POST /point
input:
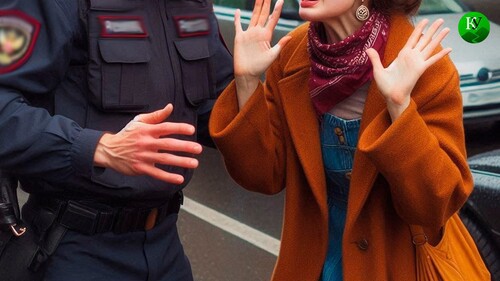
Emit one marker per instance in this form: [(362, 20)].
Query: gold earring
[(362, 12)]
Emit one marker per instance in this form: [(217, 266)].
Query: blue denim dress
[(339, 138)]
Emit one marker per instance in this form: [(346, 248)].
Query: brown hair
[(409, 7)]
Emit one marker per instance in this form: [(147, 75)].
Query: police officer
[(99, 101)]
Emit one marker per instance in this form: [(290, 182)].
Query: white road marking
[(232, 226)]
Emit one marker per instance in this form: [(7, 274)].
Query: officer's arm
[(223, 67), (34, 143)]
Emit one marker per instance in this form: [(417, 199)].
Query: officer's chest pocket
[(119, 55), (118, 77), (197, 69)]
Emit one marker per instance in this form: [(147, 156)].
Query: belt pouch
[(16, 252)]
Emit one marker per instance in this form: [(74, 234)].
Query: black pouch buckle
[(79, 217)]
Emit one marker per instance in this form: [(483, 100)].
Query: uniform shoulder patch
[(18, 34)]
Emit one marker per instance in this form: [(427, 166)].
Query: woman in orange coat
[(360, 121)]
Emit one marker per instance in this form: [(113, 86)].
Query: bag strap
[(418, 235), (9, 205), (8, 195)]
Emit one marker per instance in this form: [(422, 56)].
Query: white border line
[(232, 226)]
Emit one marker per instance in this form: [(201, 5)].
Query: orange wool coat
[(412, 171)]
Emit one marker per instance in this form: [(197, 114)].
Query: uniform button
[(363, 244), (348, 175)]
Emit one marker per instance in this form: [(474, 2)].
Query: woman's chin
[(306, 15)]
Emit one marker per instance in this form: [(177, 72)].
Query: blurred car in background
[(481, 213), (488, 7), (477, 64)]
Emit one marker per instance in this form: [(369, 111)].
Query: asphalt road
[(216, 254)]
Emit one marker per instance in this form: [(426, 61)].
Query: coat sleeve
[(33, 142), (422, 154), (251, 140)]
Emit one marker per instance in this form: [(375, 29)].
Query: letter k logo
[(474, 27), (473, 22)]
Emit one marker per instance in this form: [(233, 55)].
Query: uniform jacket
[(89, 68), (412, 171)]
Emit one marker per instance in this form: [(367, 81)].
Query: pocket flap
[(193, 49), (125, 50)]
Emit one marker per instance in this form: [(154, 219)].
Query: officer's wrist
[(100, 155)]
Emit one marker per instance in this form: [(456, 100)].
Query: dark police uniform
[(71, 70)]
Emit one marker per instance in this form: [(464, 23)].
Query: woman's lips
[(308, 3)]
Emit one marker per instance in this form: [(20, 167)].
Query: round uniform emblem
[(18, 33)]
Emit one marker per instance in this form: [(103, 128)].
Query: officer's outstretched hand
[(144, 142)]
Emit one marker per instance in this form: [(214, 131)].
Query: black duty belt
[(89, 219)]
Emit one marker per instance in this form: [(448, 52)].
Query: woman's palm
[(253, 52), (397, 80)]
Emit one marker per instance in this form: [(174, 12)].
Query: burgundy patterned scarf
[(339, 69)]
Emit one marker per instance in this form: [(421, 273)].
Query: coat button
[(363, 245)]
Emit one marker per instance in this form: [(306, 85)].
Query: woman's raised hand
[(396, 82), (253, 52)]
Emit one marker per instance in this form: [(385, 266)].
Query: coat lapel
[(364, 171), (302, 120)]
